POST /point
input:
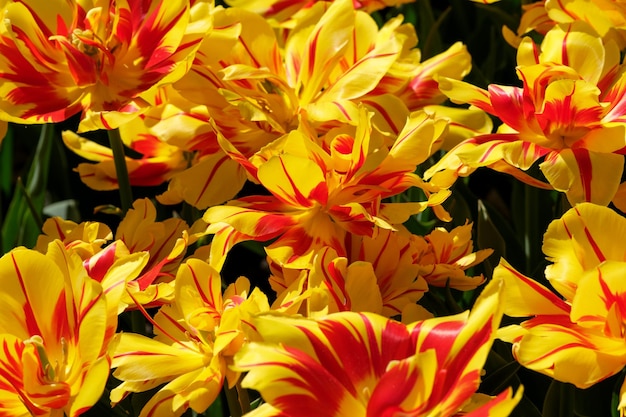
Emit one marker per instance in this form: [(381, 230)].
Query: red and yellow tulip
[(283, 10), (378, 276), (606, 17), (319, 195), (56, 328), (576, 336), (159, 161), (361, 364), (319, 73), (163, 243), (86, 239), (447, 255), (100, 57), (569, 116), (196, 337)]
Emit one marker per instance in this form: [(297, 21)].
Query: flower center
[(83, 40), (53, 372)]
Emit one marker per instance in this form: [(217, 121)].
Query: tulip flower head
[(361, 364), (568, 116), (196, 337), (96, 56), (578, 335), (320, 192), (55, 331)]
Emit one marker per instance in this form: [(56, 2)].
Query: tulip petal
[(584, 175), (526, 297), (578, 242), (139, 358)]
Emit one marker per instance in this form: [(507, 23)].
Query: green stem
[(428, 49), (29, 202), (117, 146), (23, 219), (234, 401), (532, 233), (244, 399), (138, 322)]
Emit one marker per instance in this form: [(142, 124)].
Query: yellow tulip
[(196, 337), (56, 328), (447, 255), (319, 195), (577, 336), (568, 116), (101, 57), (361, 364)]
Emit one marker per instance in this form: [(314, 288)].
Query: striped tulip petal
[(576, 45), (76, 56), (323, 46), (158, 163), (584, 175), (501, 406), (462, 92), (461, 344), (324, 369), (351, 364), (526, 297), (568, 352), (579, 339), (365, 74), (200, 185), (600, 299), (579, 241), (57, 330), (139, 358), (199, 292), (295, 181), (453, 63)]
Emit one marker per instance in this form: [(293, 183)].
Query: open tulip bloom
[(360, 364), (577, 335)]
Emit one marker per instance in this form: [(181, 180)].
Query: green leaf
[(488, 236), (501, 373), (451, 303), (216, 409), (21, 225), (6, 163), (595, 401), (66, 209), (532, 211), (500, 379), (559, 401)]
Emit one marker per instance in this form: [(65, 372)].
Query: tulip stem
[(237, 399), (119, 158), (29, 202), (533, 231), (244, 399)]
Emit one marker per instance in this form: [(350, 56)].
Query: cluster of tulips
[(317, 133)]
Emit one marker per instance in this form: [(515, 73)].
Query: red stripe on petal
[(541, 290), (590, 239), (342, 110), (312, 49), (586, 171), (29, 314), (385, 115)]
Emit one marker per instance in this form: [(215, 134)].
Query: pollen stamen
[(46, 366)]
